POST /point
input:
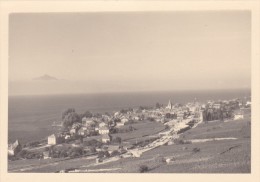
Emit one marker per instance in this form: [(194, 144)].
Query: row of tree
[(211, 114), (69, 117)]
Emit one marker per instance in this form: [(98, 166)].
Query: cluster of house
[(103, 125), (237, 103), (179, 112), (91, 126)]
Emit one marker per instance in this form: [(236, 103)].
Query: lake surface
[(30, 117)]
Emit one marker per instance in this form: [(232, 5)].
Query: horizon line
[(134, 92)]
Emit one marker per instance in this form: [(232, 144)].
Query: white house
[(216, 106), (14, 148), (102, 124), (46, 155), (238, 116), (119, 124), (248, 103), (103, 130), (67, 136), (136, 153), (106, 138), (124, 120), (76, 125), (137, 118), (54, 139), (73, 131), (82, 131), (170, 160)]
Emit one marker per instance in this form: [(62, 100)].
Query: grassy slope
[(143, 128), (214, 157)]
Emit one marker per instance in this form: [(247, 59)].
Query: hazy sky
[(96, 52)]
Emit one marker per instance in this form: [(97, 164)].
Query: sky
[(129, 51)]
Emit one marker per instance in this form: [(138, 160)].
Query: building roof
[(104, 128), (14, 145), (54, 136), (46, 153), (113, 147)]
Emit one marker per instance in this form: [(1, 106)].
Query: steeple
[(169, 106)]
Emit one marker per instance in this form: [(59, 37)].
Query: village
[(106, 137)]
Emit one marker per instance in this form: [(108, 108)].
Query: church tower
[(169, 106)]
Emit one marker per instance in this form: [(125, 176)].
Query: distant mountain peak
[(45, 77)]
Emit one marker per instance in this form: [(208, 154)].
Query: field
[(47, 165), (144, 129)]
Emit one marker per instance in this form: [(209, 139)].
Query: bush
[(183, 130), (93, 149), (150, 119), (143, 168), (63, 153), (195, 150), (33, 144), (93, 143), (160, 159), (181, 142), (125, 130), (72, 152), (117, 140), (115, 153), (24, 154), (103, 154), (106, 153), (74, 155), (114, 130)]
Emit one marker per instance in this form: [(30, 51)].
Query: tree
[(97, 115), (115, 153), (66, 112), (101, 154), (123, 111), (157, 105), (63, 153), (70, 118), (81, 139), (92, 149), (106, 153), (117, 120), (117, 140), (87, 114), (143, 168)]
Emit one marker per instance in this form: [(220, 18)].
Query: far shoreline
[(249, 90)]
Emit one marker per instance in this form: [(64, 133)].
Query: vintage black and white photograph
[(129, 92)]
